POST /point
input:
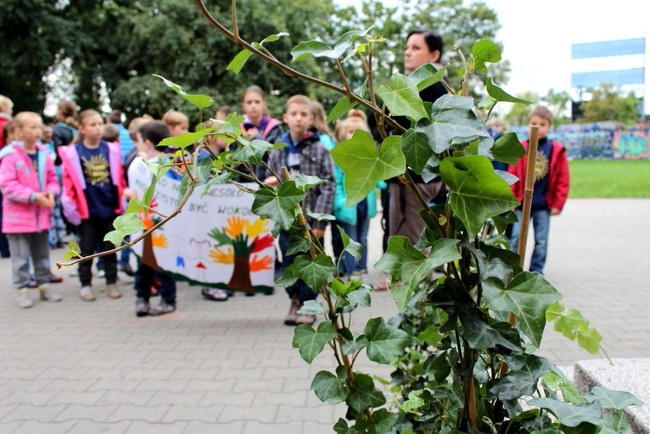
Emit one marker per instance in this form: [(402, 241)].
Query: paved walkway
[(79, 367)]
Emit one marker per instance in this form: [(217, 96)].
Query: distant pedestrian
[(29, 185), (551, 188), (6, 109), (93, 183), (124, 138)]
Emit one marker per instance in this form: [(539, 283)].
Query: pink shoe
[(383, 285)]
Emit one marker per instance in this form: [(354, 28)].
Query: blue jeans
[(298, 290), (541, 222), (358, 233)]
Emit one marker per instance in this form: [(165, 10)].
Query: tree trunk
[(241, 275)]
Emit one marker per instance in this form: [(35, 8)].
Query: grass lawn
[(610, 178)]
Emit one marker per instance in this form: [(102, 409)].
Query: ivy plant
[(471, 319)]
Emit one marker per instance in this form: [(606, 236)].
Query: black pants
[(144, 277), (91, 234)]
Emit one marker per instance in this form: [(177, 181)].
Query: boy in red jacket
[(551, 186)]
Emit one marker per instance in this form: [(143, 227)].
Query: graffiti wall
[(601, 143)]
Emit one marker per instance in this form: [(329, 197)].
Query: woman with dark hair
[(422, 47)]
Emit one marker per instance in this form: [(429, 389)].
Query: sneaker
[(292, 316), (383, 285), (55, 279), (24, 301), (162, 308), (113, 291), (101, 273), (142, 307), (214, 294), (86, 294), (47, 295), (126, 269), (305, 318)]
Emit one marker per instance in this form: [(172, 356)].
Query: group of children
[(94, 192)]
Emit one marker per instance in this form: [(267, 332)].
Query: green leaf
[(385, 421), (616, 423), (413, 402), (364, 165), (427, 75), (359, 297), (185, 140), (340, 109), (568, 414), (573, 325), (314, 272), (73, 250), (274, 38), (508, 149), (364, 394), (415, 146), (313, 307), (329, 388), (485, 51), (523, 381), (402, 98), (200, 101), (278, 205), (349, 245), (306, 182), (477, 193), (408, 264), (615, 399), (310, 342), (124, 225), (307, 49), (385, 342), (453, 121), (481, 335), (500, 95), (251, 152), (528, 296), (556, 379), (238, 62)]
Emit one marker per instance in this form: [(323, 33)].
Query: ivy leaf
[(349, 245), (556, 379), (413, 402), (402, 98), (528, 296), (615, 399), (252, 152), (508, 149), (485, 51), (314, 272), (523, 381), (185, 140), (310, 342), (573, 325), (341, 109), (200, 101), (477, 193), (313, 307), (427, 75), (329, 388), (124, 225), (453, 121), (408, 264), (73, 250), (481, 335), (385, 342), (500, 95), (616, 423), (278, 205), (238, 62), (306, 182), (365, 394), (385, 421), (415, 146), (568, 414), (359, 297), (364, 165)]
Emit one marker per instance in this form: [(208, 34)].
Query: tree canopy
[(120, 44)]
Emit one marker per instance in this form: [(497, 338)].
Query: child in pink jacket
[(29, 186)]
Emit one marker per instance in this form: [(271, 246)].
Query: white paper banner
[(215, 241)]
